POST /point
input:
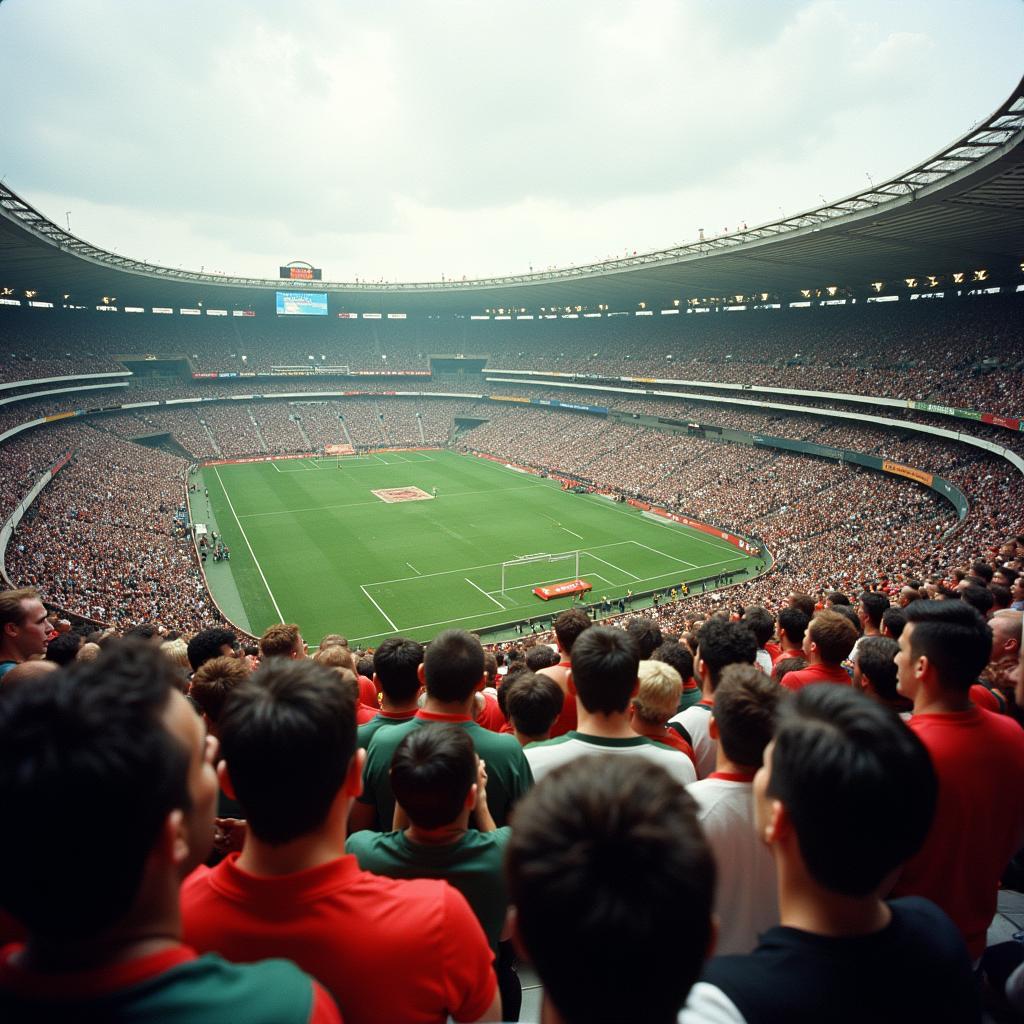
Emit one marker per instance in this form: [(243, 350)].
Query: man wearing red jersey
[(829, 639), (108, 793), (568, 626), (978, 757), (388, 950)]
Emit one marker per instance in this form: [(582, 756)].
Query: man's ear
[(779, 826), (713, 729), (224, 778), (172, 840), (421, 674), (512, 926), (353, 784), (471, 797)]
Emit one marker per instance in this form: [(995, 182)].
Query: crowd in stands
[(342, 836)]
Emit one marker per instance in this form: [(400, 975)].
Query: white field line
[(259, 568), (613, 565), (414, 569), (484, 592), (378, 607), (663, 555)]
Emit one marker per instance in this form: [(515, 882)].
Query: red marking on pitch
[(393, 494)]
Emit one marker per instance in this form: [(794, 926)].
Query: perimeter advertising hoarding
[(302, 303)]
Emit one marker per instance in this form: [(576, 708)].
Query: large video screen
[(302, 303)]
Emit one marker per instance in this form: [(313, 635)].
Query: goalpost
[(542, 558)]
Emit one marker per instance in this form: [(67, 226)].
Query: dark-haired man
[(111, 753), (875, 673), (792, 627), (611, 881), (719, 643), (395, 673), (288, 738), (846, 796), (742, 723), (603, 678), (211, 643), (452, 670), (532, 703), (568, 625), (979, 759)]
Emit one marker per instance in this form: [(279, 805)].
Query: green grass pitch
[(311, 543)]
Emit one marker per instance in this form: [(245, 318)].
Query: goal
[(522, 571)]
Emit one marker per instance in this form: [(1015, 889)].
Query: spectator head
[(283, 640), (871, 606), (23, 625), (453, 666), (491, 668), (1000, 596), (982, 570), (433, 775), (176, 651), (793, 623), (1006, 632), (395, 669), (288, 738), (893, 622), (875, 669), (145, 632), (802, 602), (568, 625), (211, 643), (337, 657), (596, 847), (541, 656), (604, 670), (977, 597), (28, 671), (746, 707), (333, 640), (89, 651), (109, 752), (678, 656), (721, 643), (532, 703), (846, 788), (830, 638), (943, 649), (835, 598), (761, 623), (64, 648), (657, 698), (213, 681), (784, 665), (646, 634)]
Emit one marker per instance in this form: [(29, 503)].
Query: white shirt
[(746, 895), (696, 720), (549, 754)]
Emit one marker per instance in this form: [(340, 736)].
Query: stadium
[(823, 405)]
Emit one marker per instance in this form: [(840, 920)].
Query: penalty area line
[(378, 607)]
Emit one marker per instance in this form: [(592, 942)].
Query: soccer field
[(311, 542)]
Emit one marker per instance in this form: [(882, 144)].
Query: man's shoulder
[(388, 737)]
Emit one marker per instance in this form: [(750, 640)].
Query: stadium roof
[(960, 211)]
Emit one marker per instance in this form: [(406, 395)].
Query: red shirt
[(566, 720), (672, 739), (979, 819), (387, 950), (368, 693), (815, 674), (985, 698), (364, 714), (490, 716)]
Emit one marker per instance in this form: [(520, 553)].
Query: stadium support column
[(344, 429), (419, 424)]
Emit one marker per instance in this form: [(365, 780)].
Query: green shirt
[(473, 865), (508, 771), (365, 732)]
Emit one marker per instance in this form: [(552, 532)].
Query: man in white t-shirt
[(719, 643), (603, 678), (743, 721)]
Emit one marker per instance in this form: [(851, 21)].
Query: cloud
[(411, 138)]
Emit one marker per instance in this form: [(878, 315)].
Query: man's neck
[(807, 906), (522, 739), (446, 835), (608, 727), (324, 845), (9, 653), (941, 702), (724, 766), (458, 709), (408, 708)]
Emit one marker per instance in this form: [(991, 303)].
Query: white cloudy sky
[(409, 139)]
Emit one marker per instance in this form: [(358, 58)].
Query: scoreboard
[(301, 273)]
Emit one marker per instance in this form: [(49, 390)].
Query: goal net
[(535, 570)]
